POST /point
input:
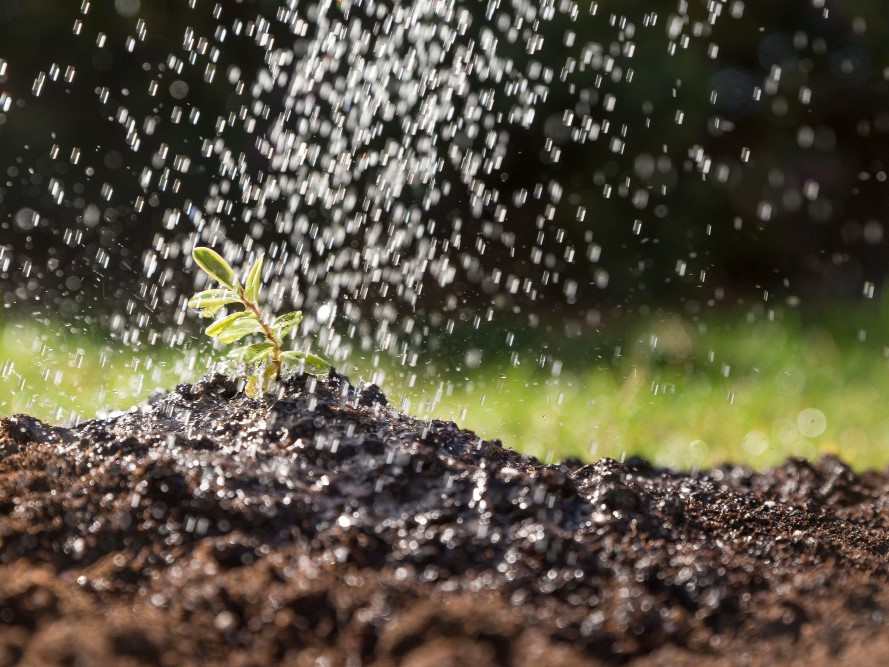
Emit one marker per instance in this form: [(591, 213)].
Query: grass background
[(738, 388)]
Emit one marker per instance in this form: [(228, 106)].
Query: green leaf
[(253, 277), (214, 266), (269, 375), (229, 320), (253, 386), (210, 311), (311, 362), (209, 296), (286, 322), (210, 301), (243, 327), (252, 353)]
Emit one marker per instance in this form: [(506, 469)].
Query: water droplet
[(26, 219), (812, 422)]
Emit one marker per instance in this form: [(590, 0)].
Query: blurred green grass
[(738, 389), (63, 374)]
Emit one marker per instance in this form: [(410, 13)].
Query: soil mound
[(321, 526)]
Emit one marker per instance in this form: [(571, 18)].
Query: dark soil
[(324, 527)]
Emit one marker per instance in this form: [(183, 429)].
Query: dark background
[(804, 217)]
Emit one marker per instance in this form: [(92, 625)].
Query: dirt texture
[(321, 526)]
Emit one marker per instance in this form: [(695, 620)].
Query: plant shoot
[(266, 358)]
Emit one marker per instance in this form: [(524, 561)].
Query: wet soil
[(321, 526)]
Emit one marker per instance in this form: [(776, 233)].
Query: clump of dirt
[(321, 526)]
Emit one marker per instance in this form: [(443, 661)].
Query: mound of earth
[(321, 526)]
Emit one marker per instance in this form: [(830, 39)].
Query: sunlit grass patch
[(679, 394), (51, 372), (753, 393)]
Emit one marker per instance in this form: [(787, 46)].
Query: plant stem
[(267, 332)]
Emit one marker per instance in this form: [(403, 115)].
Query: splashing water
[(424, 171)]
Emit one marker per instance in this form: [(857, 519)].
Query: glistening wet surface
[(323, 524)]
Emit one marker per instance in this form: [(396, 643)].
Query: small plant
[(266, 358)]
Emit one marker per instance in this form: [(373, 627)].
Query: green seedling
[(266, 358)]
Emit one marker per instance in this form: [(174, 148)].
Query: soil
[(321, 526)]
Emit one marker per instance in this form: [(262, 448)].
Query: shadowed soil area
[(321, 526)]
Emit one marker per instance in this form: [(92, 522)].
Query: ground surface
[(323, 527)]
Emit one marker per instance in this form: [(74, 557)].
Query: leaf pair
[(234, 327), (215, 266), (210, 301)]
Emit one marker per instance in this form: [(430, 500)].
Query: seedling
[(266, 358)]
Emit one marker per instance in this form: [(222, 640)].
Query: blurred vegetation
[(743, 388)]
